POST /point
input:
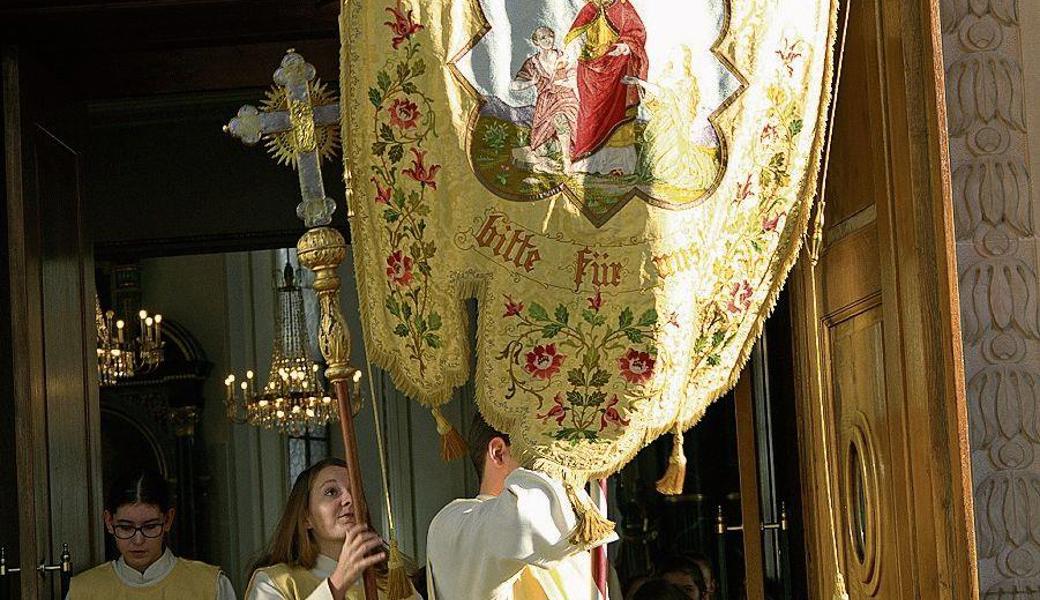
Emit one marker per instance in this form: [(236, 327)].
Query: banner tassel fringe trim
[(453, 447), (592, 528), (399, 586), (671, 484)]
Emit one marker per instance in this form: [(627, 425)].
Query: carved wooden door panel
[(885, 313)]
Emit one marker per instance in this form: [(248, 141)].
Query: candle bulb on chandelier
[(119, 330)]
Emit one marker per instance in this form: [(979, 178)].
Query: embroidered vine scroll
[(622, 184)]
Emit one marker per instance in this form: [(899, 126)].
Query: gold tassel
[(671, 484), (592, 528), (839, 587), (452, 445), (399, 585)]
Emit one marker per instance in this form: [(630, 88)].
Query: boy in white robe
[(510, 542)]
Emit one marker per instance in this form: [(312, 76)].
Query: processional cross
[(299, 120)]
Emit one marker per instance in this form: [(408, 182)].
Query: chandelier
[(120, 359), (293, 399)]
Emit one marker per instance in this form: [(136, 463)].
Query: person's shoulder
[(199, 567), (526, 479)]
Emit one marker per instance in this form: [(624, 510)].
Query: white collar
[(155, 572), (323, 567)]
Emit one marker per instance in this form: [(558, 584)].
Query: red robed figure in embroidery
[(614, 47)]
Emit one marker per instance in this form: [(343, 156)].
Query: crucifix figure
[(300, 121), (300, 132)]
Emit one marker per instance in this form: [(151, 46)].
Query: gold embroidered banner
[(622, 184)]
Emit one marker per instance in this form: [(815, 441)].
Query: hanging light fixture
[(120, 359), (293, 399)]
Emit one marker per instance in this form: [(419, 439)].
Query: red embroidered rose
[(636, 366), (513, 308), (420, 172), (544, 361), (399, 268), (611, 416), (740, 297), (402, 24), (558, 411), (771, 223), (404, 113), (743, 190), (595, 301), (769, 133), (382, 193)]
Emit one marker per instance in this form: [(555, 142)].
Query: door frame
[(920, 303)]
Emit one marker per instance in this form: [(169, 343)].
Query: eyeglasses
[(150, 530)]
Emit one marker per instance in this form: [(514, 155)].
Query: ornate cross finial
[(299, 120)]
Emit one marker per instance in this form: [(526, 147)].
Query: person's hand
[(357, 555), (620, 49)]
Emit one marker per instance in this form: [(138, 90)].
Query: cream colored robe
[(508, 546)]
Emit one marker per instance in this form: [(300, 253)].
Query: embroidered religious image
[(601, 101)]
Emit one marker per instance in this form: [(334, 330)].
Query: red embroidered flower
[(399, 268), (404, 113), (771, 223), (595, 301), (740, 297), (403, 26), (673, 319), (543, 362), (382, 193), (611, 416), (558, 411), (769, 132), (636, 366), (743, 190), (420, 172), (513, 308)]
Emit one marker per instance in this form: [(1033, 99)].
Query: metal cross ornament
[(299, 120)]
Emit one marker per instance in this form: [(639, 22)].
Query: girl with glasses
[(139, 515), (319, 551)]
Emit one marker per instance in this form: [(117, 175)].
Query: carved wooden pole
[(321, 250)]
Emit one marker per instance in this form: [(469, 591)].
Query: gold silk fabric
[(623, 185)]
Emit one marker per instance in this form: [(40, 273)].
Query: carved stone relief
[(995, 221)]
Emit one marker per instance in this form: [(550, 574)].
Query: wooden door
[(892, 413), (51, 315)]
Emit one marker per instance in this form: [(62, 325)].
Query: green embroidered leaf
[(395, 154), (634, 335), (434, 321), (383, 79), (406, 311), (420, 324), (399, 198), (385, 132), (551, 330), (717, 338), (432, 340), (401, 330), (424, 268), (591, 358), (575, 398), (648, 318), (796, 126), (391, 215), (375, 97), (538, 312), (392, 306), (378, 148), (625, 318), (418, 67), (576, 377), (402, 71), (714, 360), (596, 398), (409, 88), (562, 315), (600, 378)]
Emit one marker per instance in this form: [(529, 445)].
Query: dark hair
[(480, 435), (139, 487), (679, 563), (659, 589)]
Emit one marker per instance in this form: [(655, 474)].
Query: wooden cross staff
[(322, 249)]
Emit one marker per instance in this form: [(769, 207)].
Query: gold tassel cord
[(592, 528), (399, 585), (671, 484), (815, 244), (453, 447)]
